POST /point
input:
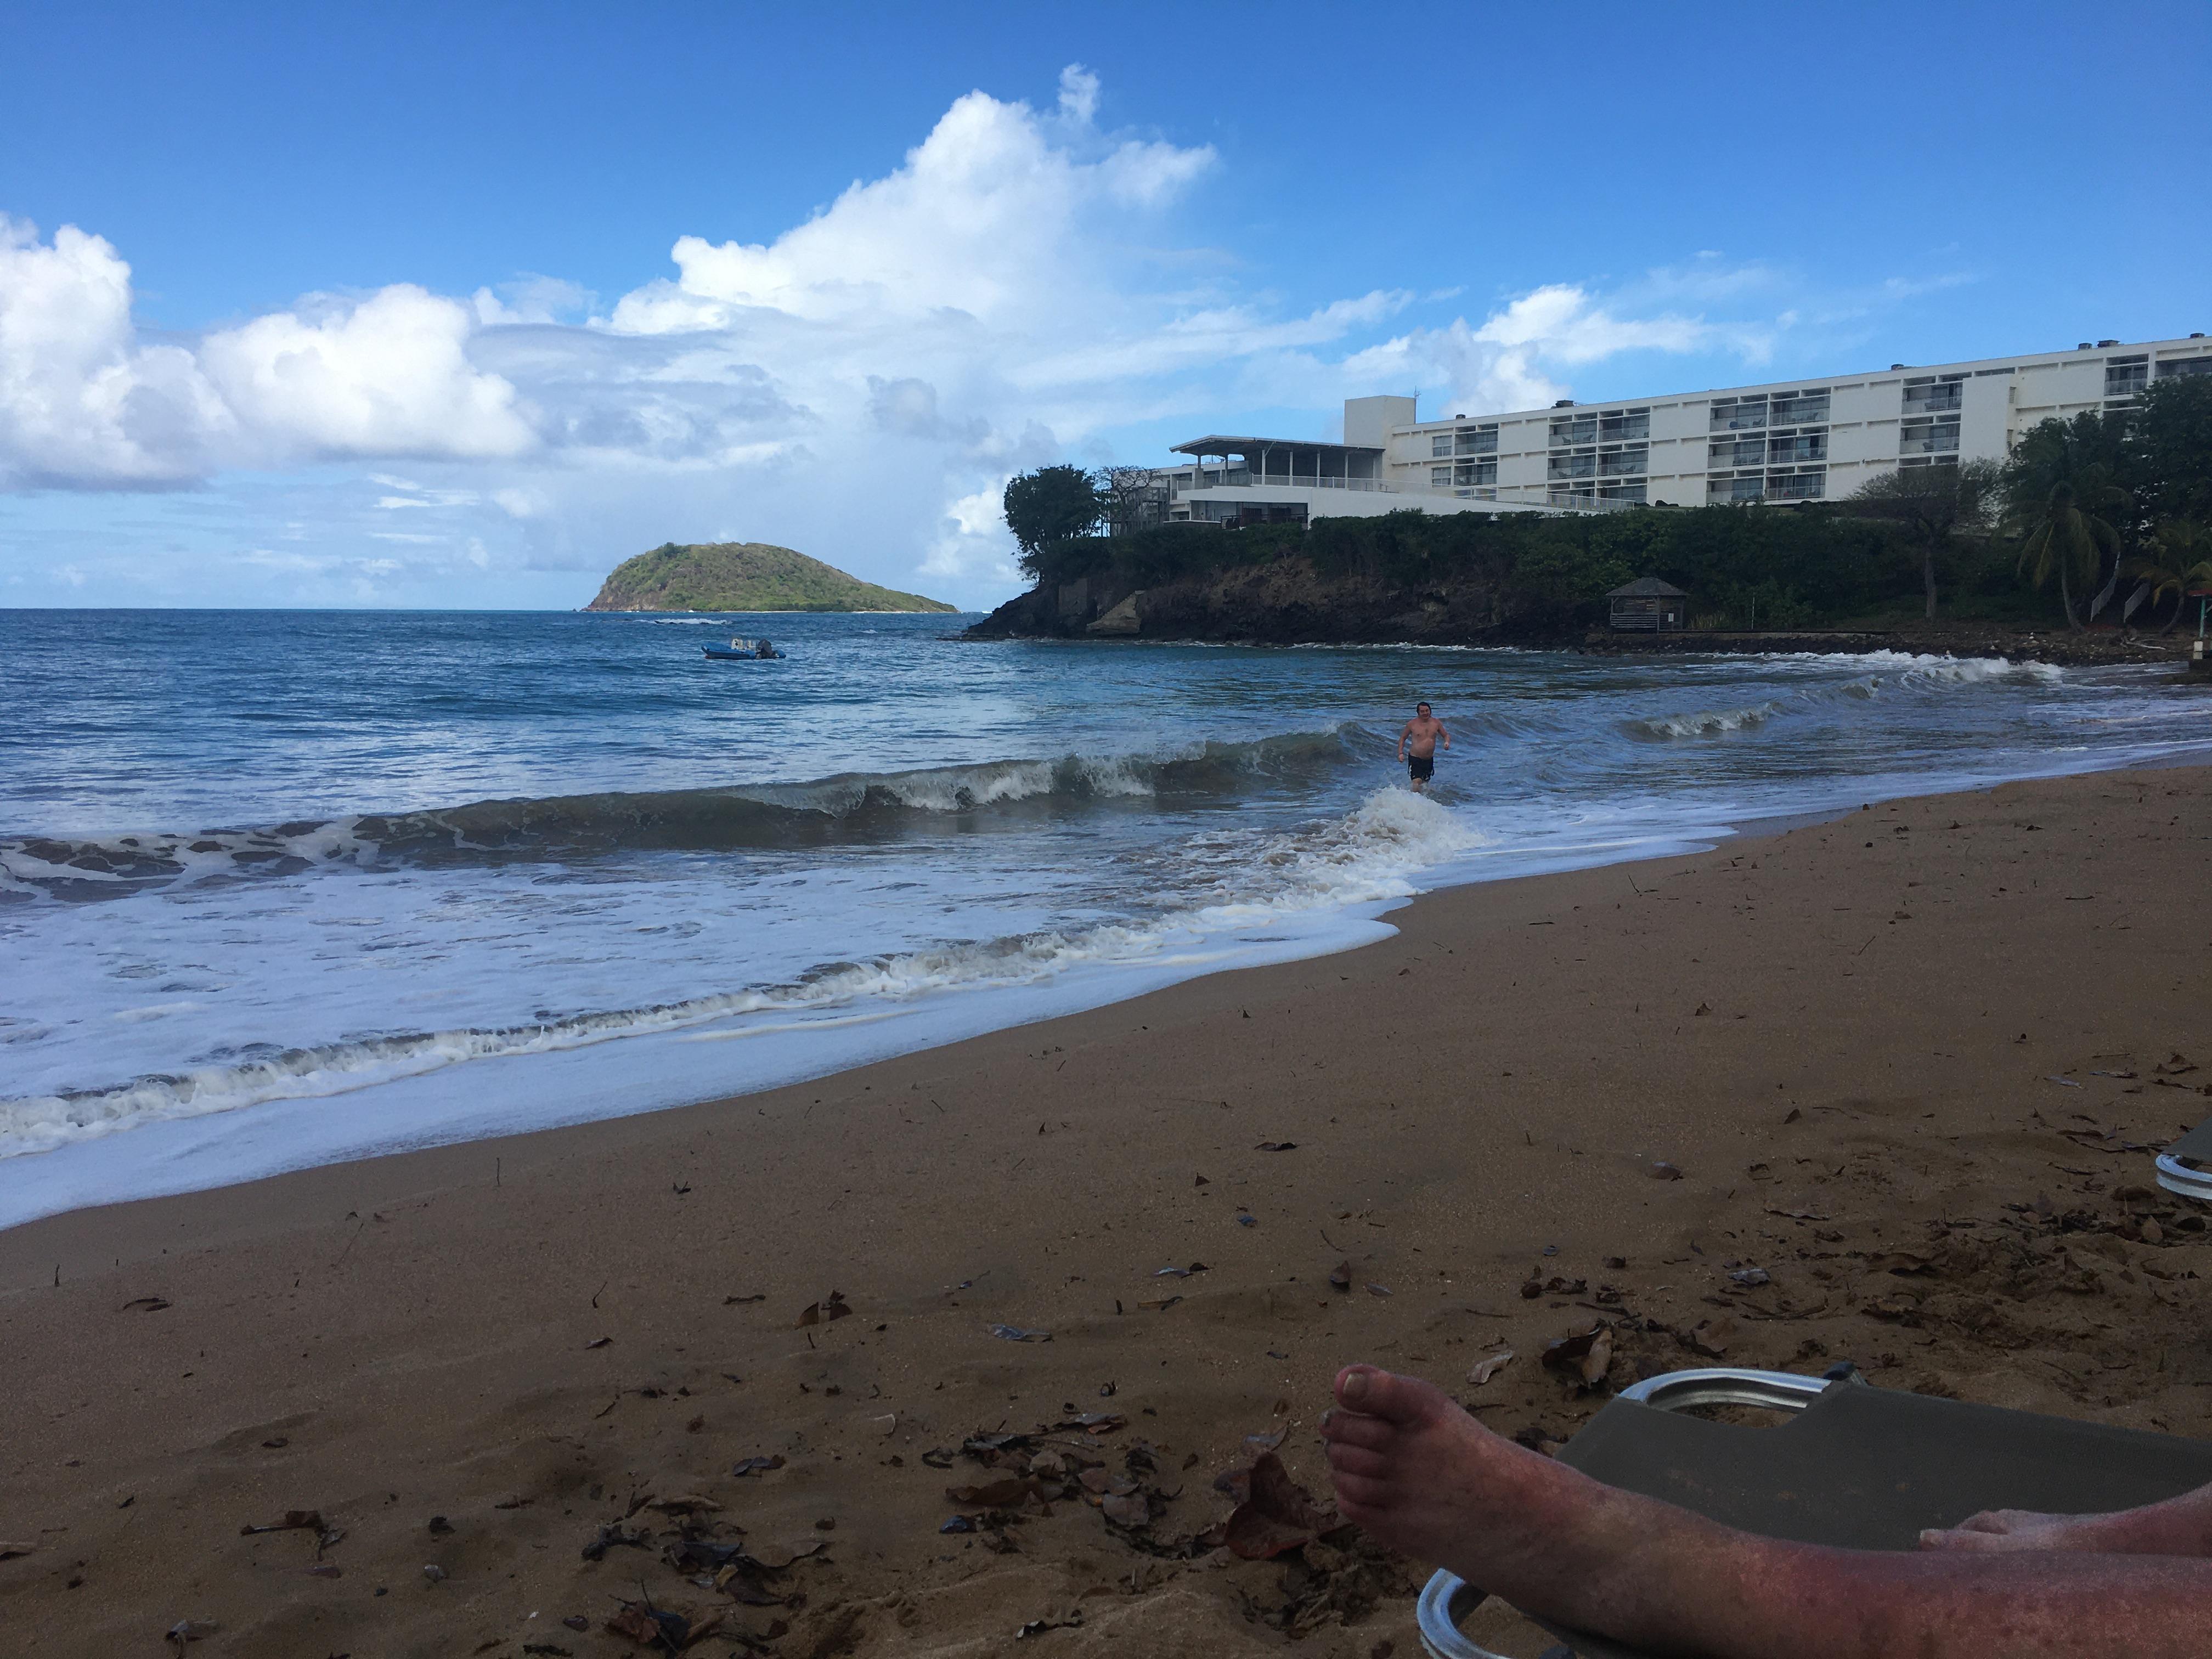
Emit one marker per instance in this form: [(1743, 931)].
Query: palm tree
[(2169, 569), (2058, 484), (2069, 540)]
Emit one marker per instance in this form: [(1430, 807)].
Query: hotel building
[(1785, 441)]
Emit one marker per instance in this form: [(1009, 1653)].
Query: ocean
[(280, 888)]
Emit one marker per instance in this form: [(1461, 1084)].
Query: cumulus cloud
[(862, 384), (84, 403)]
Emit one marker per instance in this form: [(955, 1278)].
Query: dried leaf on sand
[(1279, 1515), (1583, 1356), (820, 1312), (1484, 1370)]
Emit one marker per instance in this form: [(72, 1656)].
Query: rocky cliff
[(1283, 602)]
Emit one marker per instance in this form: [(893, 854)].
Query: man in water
[(1422, 732), (1420, 1475)]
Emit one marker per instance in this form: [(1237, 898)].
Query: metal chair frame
[(2179, 1178)]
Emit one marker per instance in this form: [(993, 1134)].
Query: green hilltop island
[(743, 576)]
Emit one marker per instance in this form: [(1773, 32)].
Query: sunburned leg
[(2181, 1526), (1421, 1475)]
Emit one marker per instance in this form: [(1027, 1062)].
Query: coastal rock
[(1123, 618)]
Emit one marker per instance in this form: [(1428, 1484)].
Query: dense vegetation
[(742, 576), (1995, 544)]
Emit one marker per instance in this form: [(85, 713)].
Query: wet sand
[(483, 1359)]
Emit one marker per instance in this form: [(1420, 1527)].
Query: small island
[(743, 576)]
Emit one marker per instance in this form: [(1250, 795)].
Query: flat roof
[(1822, 382), (1214, 444)]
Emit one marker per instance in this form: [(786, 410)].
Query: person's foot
[(1998, 1531), (1422, 1476)]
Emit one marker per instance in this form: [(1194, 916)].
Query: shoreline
[(1843, 1036), (152, 1146)]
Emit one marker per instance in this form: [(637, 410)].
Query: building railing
[(1284, 481), (1738, 420), (1932, 403), (1933, 443), (1811, 412)]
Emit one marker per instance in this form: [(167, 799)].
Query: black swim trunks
[(1423, 767)]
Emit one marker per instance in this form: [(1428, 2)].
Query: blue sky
[(440, 306)]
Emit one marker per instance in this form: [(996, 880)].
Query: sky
[(428, 305)]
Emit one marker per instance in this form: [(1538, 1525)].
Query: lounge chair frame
[(1447, 1598), (2179, 1178)]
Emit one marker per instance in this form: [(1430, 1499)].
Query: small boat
[(742, 650)]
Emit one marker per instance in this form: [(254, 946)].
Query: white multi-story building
[(1787, 440)]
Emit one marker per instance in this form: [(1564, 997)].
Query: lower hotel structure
[(1784, 442)]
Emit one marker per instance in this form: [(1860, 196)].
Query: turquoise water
[(280, 888)]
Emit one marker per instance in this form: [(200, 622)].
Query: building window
[(1739, 414), (1476, 441), (1439, 443), (1622, 492), (1928, 436), (1625, 424), (2125, 376), (1474, 472), (1440, 477), (1810, 446), (1583, 463), (1750, 488), (2185, 365), (1623, 462), (1794, 486), (1929, 396), (1809, 407), (1737, 452), (1575, 429)]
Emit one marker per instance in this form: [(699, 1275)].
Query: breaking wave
[(1906, 670), (1369, 854), (846, 808), (1706, 722)]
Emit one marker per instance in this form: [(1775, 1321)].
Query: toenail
[(1355, 1388)]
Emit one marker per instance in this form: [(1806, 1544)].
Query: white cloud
[(84, 404), (1013, 293)]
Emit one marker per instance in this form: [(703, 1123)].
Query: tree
[(2066, 539), (1052, 504), (2170, 449), (1934, 503), (2060, 480), (2169, 569), (1130, 493)]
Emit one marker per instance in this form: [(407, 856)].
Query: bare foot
[(1417, 1472), (1995, 1530)]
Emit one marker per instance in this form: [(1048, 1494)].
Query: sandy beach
[(1896, 1072)]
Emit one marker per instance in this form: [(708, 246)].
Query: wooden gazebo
[(1649, 605)]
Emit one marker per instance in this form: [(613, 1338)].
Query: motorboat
[(743, 650)]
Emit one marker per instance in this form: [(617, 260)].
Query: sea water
[(279, 889)]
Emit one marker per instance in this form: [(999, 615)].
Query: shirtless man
[(1424, 1477), (1422, 732)]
